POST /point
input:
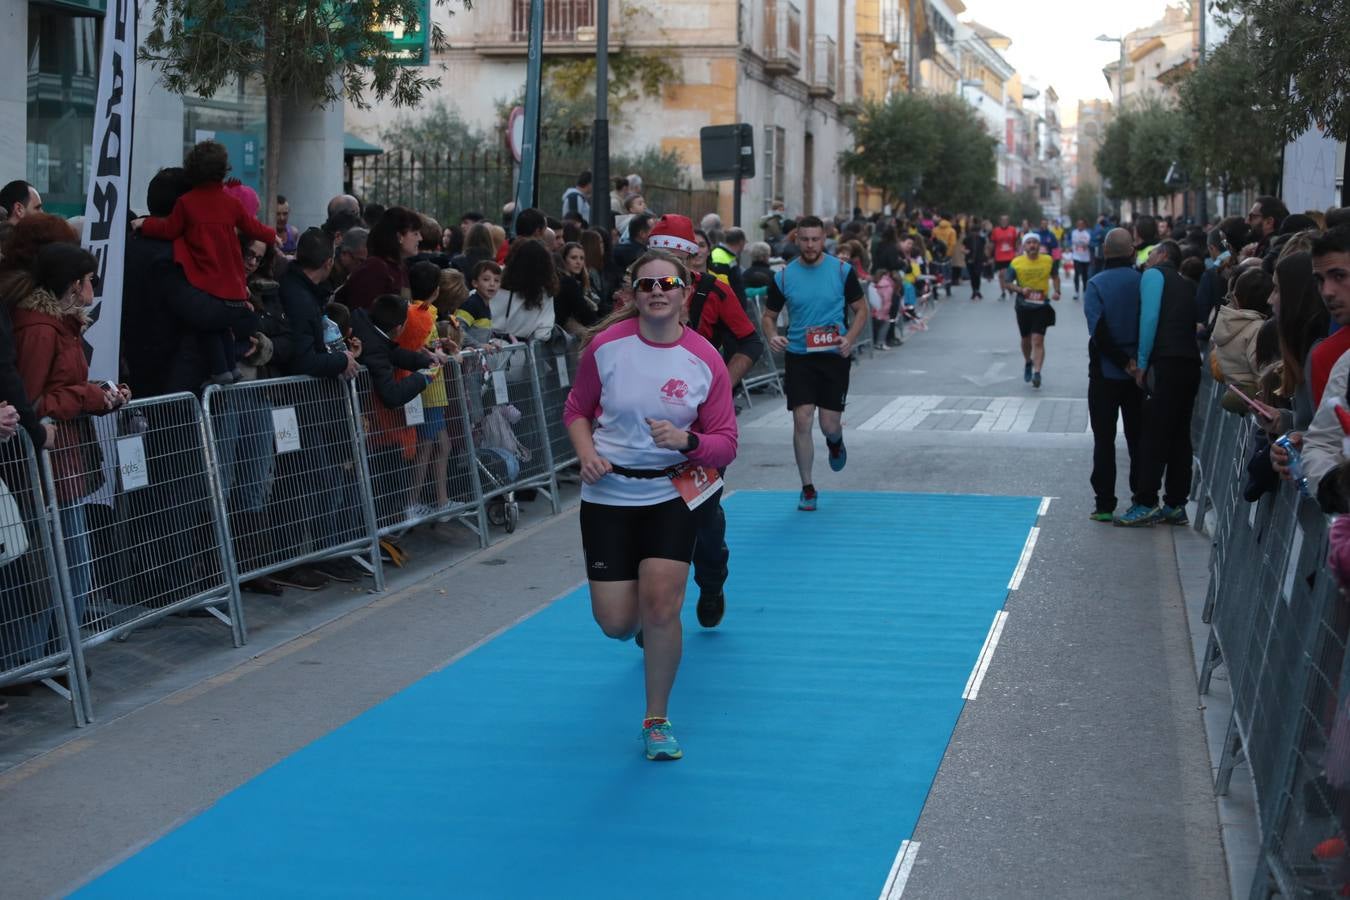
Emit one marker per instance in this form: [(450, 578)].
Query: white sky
[(1055, 43)]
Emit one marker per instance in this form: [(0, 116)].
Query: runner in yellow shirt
[(1028, 278)]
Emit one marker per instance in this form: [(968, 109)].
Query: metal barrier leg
[(1229, 759), (1213, 656), (541, 415), (363, 486), (471, 449), (69, 622), (238, 629)]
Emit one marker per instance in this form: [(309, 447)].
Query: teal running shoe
[(1173, 515), (807, 501), (1138, 516), (838, 455), (660, 740)]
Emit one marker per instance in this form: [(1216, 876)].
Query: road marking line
[(900, 869), (1022, 563), (1045, 506), (986, 656)]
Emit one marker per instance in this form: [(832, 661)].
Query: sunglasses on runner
[(665, 283)]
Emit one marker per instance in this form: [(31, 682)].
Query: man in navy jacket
[(1111, 305)]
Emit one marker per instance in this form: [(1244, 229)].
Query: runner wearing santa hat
[(716, 314)]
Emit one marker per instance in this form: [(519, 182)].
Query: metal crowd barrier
[(136, 522), (1278, 624), (767, 370), (35, 621), (420, 457), (294, 484), (506, 413), (556, 369)]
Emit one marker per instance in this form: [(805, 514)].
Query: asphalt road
[(1080, 770)]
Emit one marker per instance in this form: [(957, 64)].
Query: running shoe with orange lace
[(660, 740)]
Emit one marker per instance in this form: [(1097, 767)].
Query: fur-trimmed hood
[(41, 300)]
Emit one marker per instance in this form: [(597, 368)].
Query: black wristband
[(692, 444)]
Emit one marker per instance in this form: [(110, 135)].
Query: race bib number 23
[(695, 484)]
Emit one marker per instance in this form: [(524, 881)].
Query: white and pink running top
[(623, 380)]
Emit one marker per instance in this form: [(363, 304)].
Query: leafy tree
[(321, 51), (1228, 109), (1304, 45), (964, 172), (1113, 157), (1084, 204), (1016, 205), (923, 148), (1155, 146)]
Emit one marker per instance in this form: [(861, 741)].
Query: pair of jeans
[(36, 633), (1108, 399), (1081, 273), (1165, 446), (711, 553), (244, 437)]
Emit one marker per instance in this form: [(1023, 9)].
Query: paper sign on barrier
[(561, 362), (131, 463), (413, 414), (499, 387), (286, 428)]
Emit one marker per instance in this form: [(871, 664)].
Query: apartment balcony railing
[(563, 19), (782, 37), (857, 72), (824, 73), (851, 95)]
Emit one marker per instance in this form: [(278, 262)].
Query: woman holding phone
[(650, 415)]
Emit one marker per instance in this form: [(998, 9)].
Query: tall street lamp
[(1120, 69)]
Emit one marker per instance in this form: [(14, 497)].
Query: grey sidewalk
[(1079, 771)]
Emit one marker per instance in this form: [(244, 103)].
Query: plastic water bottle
[(1295, 464)]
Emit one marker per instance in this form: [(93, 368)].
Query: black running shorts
[(816, 379), (615, 539), (1034, 319)]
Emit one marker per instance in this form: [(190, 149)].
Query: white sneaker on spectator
[(417, 511)]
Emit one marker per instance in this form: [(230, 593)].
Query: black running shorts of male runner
[(616, 539), (1034, 319), (816, 379)]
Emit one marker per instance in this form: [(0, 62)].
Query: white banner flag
[(106, 205)]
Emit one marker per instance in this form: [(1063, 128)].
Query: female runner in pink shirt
[(651, 417)]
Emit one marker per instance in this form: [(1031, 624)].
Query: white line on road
[(1045, 506), (1022, 563), (900, 869), (986, 656)]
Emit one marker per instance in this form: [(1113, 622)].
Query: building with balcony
[(984, 77), (792, 69), (939, 65), (1093, 117), (1155, 57), (882, 28)]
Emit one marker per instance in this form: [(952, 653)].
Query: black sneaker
[(1035, 379), (711, 608), (306, 579)]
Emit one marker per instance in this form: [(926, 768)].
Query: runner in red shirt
[(1004, 239)]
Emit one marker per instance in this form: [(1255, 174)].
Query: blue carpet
[(813, 723)]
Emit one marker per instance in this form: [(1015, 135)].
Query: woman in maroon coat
[(393, 239), (48, 322)]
